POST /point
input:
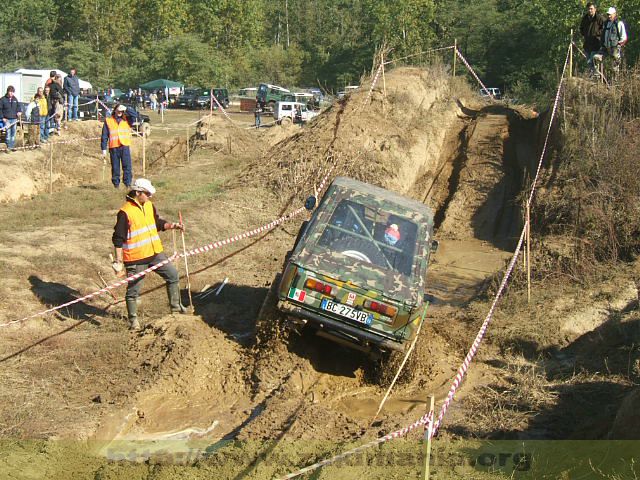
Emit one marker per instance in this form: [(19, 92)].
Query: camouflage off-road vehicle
[(357, 271)]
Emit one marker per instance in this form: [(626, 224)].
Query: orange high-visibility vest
[(142, 238), (119, 133)]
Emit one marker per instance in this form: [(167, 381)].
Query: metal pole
[(571, 56), (455, 55), (428, 434)]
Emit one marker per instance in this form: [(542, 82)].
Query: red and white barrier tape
[(64, 142), (424, 420), (221, 108), (373, 84), (195, 251), (466, 64), (479, 337), (483, 329)]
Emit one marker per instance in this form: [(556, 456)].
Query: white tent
[(45, 75)]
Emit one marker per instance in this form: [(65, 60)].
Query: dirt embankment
[(197, 381)]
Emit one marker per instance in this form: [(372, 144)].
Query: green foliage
[(513, 44)]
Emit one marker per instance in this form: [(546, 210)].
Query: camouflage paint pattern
[(354, 281)]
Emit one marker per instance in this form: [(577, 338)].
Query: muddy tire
[(145, 130)]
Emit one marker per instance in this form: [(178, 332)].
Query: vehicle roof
[(311, 256), (276, 87), (420, 209), (291, 103)]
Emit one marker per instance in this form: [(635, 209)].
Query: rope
[(466, 64), (462, 370), (483, 329), (195, 251)]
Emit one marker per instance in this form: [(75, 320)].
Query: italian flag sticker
[(296, 294)]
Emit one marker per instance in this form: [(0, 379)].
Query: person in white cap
[(614, 37), (116, 135), (138, 247)]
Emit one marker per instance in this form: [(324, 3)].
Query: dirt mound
[(387, 140), (221, 134)]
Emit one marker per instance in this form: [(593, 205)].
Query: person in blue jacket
[(10, 114)]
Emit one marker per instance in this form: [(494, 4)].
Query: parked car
[(295, 112), (188, 98), (357, 272), (491, 91), (222, 95)]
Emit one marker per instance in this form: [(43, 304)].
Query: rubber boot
[(173, 291), (132, 312)]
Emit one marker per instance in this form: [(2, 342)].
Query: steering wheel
[(357, 255)]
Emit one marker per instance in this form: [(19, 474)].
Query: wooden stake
[(427, 437), (455, 55), (187, 144), (51, 168), (229, 144), (384, 80), (186, 265), (144, 154), (571, 55), (528, 236)]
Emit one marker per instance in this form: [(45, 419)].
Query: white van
[(286, 112)]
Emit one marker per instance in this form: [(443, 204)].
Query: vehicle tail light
[(320, 287), (382, 308)]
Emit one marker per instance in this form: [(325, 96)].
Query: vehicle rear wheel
[(145, 129), (285, 121)]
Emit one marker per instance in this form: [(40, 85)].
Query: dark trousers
[(168, 272), (120, 155)]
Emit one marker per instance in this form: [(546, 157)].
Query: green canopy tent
[(161, 83)]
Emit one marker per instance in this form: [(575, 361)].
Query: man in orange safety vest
[(138, 247), (116, 135)]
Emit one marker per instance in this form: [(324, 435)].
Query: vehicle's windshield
[(371, 235)]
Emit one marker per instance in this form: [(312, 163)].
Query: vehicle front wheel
[(146, 130)]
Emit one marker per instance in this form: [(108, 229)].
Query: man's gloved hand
[(104, 152)]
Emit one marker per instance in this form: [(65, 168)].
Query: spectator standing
[(153, 99), (10, 113), (33, 117), (116, 135), (591, 30), (49, 81), (257, 113), (161, 101), (614, 37), (43, 109), (72, 89), (49, 122), (57, 102)]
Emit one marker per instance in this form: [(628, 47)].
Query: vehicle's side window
[(286, 107)]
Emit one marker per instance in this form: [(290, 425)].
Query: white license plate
[(346, 311)]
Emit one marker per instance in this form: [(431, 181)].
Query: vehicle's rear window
[(371, 235)]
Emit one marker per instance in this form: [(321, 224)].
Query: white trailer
[(25, 85)]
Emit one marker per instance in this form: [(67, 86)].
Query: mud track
[(201, 379)]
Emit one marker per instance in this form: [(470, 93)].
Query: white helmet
[(143, 185)]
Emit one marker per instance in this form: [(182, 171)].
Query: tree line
[(515, 44)]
